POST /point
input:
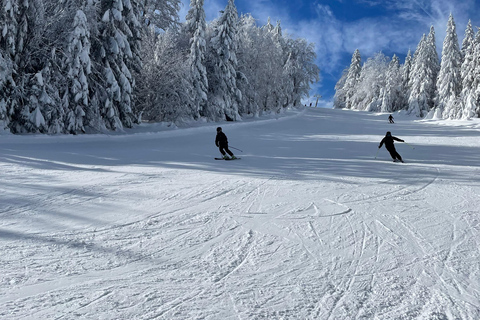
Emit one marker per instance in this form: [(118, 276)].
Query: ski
[(227, 159)]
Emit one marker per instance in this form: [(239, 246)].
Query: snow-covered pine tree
[(423, 76), (352, 79), (469, 96), (8, 26), (195, 27), (118, 40), (392, 94), (339, 97), (41, 112), (224, 94), (269, 26), (79, 68), (406, 70), (468, 39), (34, 55), (449, 81), (5, 78)]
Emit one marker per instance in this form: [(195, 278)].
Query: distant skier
[(390, 119), (388, 140), (221, 142)]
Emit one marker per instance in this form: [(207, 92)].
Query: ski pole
[(377, 153), (409, 145), (236, 149)]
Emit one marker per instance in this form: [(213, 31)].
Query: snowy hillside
[(307, 225)]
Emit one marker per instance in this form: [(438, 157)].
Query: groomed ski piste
[(145, 224)]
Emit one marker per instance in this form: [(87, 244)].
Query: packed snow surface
[(314, 222)]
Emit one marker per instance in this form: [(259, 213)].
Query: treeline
[(423, 85), (75, 66)]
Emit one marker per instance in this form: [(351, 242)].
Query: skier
[(221, 142), (390, 119), (388, 140)]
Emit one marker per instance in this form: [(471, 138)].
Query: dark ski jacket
[(221, 140), (388, 140)]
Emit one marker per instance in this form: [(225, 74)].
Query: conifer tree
[(423, 76), (8, 26), (223, 85), (195, 28), (119, 54), (392, 94), (406, 70), (79, 68), (340, 97), (471, 79), (468, 39), (449, 78), (352, 79)]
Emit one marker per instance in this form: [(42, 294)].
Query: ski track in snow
[(306, 226)]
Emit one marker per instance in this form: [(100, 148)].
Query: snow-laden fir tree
[(79, 68), (449, 82), (371, 84), (351, 81), (118, 40), (406, 70), (467, 39), (8, 28), (339, 97), (5, 78), (469, 96), (223, 93), (392, 98), (41, 105), (269, 26), (34, 51), (195, 27), (423, 76)]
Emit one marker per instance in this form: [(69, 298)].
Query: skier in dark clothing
[(221, 142), (388, 140), (390, 119)]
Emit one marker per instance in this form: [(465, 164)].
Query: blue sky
[(338, 27)]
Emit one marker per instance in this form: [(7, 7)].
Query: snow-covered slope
[(308, 225)]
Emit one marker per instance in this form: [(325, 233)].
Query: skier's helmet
[(389, 134), (219, 129)]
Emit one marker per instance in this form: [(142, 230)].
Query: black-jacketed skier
[(390, 119), (388, 141), (221, 142)]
